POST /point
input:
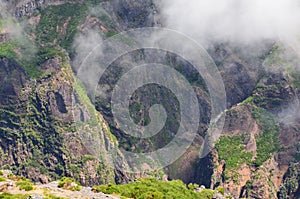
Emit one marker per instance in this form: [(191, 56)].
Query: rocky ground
[(50, 189)]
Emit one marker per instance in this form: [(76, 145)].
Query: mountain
[(53, 125)]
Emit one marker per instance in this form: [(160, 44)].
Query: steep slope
[(38, 134), (45, 107)]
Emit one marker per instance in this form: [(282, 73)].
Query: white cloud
[(233, 20)]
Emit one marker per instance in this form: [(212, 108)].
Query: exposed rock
[(27, 8), (274, 93), (49, 105), (35, 196), (218, 196), (6, 186), (134, 13)]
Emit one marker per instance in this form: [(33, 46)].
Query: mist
[(291, 115), (237, 21), (16, 31)]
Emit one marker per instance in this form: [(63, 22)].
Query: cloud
[(291, 115), (85, 45), (243, 21)]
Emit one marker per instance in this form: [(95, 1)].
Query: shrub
[(220, 190), (69, 184), (13, 196), (206, 194), (2, 179), (234, 146), (267, 142), (25, 185), (58, 16), (193, 186), (150, 188)]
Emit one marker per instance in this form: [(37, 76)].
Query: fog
[(239, 21)]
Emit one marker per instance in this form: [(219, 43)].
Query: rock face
[(28, 8), (40, 114), (134, 13)]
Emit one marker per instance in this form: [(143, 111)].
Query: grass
[(148, 188)]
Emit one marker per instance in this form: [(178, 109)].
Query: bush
[(150, 188), (234, 146), (206, 194), (69, 184), (2, 179), (193, 186), (54, 16), (220, 190), (25, 185), (13, 196)]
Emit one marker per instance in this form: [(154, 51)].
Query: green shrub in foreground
[(150, 188), (2, 179), (69, 184), (25, 185), (13, 196)]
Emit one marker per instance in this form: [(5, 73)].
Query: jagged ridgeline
[(47, 118)]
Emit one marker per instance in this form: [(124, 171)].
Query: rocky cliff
[(48, 124)]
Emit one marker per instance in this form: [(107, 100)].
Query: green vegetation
[(26, 185), (86, 158), (7, 49), (69, 184), (13, 196), (234, 146), (233, 151), (2, 179), (220, 190), (31, 64), (148, 188), (59, 23), (248, 100), (267, 142), (24, 196), (295, 76), (274, 58), (290, 184), (44, 53)]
